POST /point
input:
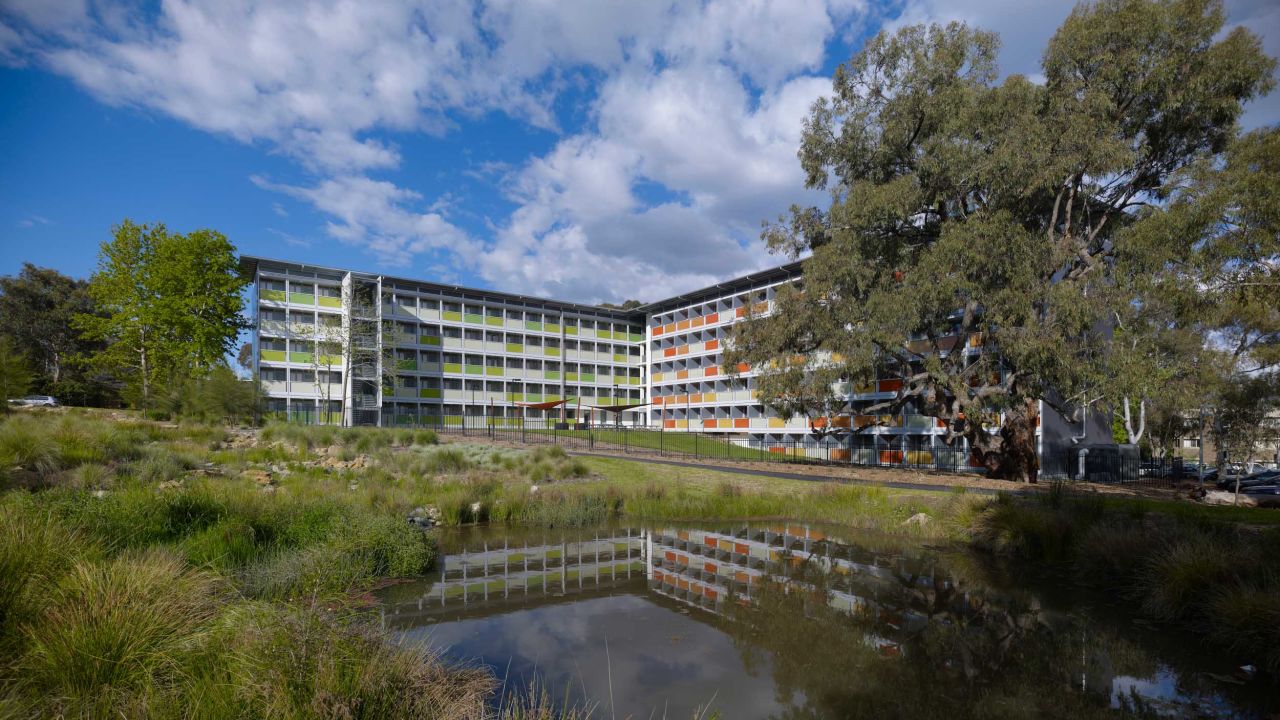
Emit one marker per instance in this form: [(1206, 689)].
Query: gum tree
[(970, 212), (168, 305)]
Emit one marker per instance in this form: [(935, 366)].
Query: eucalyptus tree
[(168, 305), (966, 211)]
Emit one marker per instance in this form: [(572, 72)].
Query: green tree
[(37, 310), (217, 396), (15, 372), (170, 304), (970, 214)]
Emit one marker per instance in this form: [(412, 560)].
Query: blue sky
[(582, 149)]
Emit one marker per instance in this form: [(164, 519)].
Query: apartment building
[(393, 351), (338, 346)]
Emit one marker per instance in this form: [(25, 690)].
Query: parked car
[(1262, 477), (35, 401)]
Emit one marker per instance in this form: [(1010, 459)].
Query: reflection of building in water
[(478, 578), (703, 568), (707, 569)]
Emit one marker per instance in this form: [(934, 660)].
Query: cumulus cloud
[(377, 214), (692, 113)]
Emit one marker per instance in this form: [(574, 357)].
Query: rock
[(268, 488), (421, 518), (353, 487), (100, 494), (169, 484), (1222, 497), (918, 519), (533, 489)]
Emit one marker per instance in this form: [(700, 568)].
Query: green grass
[(120, 597), (1201, 569), (681, 442)]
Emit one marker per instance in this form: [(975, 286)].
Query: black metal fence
[(887, 451), (1108, 464)]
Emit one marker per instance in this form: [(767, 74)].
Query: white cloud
[(693, 112), (377, 215), (32, 221)]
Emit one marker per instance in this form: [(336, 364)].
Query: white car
[(35, 401)]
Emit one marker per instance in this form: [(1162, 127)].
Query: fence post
[(695, 444)]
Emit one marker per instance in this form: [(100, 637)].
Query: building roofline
[(249, 266), (781, 272)]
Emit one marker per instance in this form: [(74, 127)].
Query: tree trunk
[(1010, 455), (146, 374), (1135, 436)]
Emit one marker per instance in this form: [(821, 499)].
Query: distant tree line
[(151, 328)]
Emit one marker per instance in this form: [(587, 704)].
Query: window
[(302, 376), (273, 375)]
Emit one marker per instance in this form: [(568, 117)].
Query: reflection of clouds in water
[(658, 658), (1164, 692)]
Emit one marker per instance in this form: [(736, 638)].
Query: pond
[(786, 620)]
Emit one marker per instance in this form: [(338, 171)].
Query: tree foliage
[(37, 310), (170, 304), (967, 212), (15, 372)]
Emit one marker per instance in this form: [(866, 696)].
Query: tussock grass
[(1211, 577), (123, 625), (25, 444), (307, 437), (35, 549)]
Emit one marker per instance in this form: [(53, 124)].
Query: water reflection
[(782, 620)]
